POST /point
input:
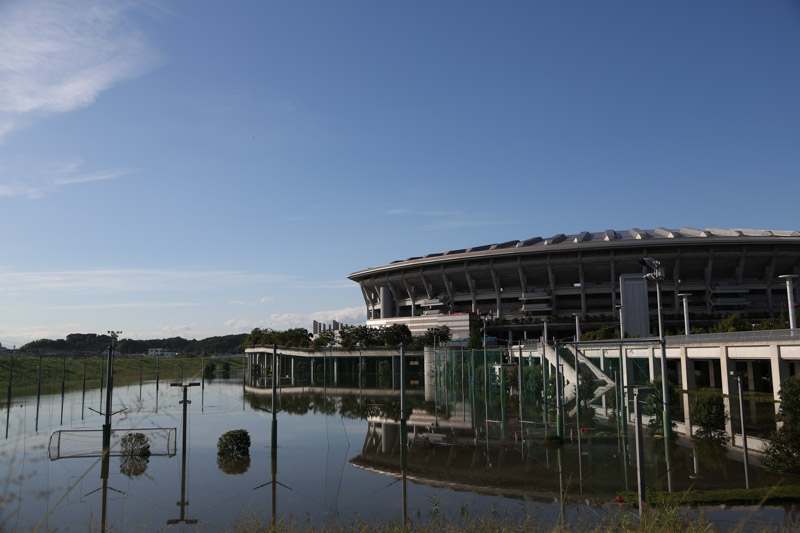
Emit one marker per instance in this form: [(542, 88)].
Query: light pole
[(657, 275), (738, 376), (790, 298), (577, 326), (621, 322), (685, 297)]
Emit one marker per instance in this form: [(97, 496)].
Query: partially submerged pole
[(63, 384), (38, 391), (403, 429), (274, 398)]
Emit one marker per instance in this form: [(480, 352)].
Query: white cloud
[(60, 55), (348, 315), (266, 299), (17, 336)]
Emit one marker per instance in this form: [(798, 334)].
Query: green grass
[(25, 374), (759, 496)]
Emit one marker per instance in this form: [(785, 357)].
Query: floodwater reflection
[(476, 440)]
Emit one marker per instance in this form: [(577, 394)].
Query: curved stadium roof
[(595, 240)]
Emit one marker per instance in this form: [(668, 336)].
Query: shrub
[(208, 370), (135, 445), (783, 451), (135, 454), (234, 443), (708, 412), (553, 442)]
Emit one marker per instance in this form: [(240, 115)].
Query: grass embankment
[(759, 496), (25, 375)]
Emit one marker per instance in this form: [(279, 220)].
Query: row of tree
[(348, 337), (92, 343)]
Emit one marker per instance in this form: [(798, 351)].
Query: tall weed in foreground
[(657, 520)]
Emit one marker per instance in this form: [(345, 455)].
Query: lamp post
[(621, 322), (738, 376), (657, 275), (685, 297), (577, 326), (790, 298)]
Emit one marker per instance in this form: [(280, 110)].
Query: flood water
[(338, 457)]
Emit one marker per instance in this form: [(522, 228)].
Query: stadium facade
[(722, 271)]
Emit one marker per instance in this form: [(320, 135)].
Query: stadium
[(588, 274)]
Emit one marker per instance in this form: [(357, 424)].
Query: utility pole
[(183, 503)]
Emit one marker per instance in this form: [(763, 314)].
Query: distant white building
[(160, 352)]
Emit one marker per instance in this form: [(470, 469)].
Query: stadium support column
[(387, 306)]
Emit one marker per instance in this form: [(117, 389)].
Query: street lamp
[(738, 376), (790, 298), (657, 275), (685, 297)]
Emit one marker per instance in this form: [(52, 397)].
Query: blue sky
[(203, 168)]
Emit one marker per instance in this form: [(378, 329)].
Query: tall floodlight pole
[(657, 275), (790, 298), (685, 297), (109, 390)]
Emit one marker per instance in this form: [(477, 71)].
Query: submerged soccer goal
[(72, 443)]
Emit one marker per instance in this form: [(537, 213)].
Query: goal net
[(70, 443)]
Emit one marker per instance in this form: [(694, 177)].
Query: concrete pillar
[(751, 378), (395, 371), (687, 383), (293, 362), (712, 377), (335, 371), (313, 364), (387, 306), (779, 370), (391, 436), (651, 361), (725, 368), (428, 366)]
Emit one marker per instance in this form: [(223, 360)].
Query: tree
[(708, 412), (475, 339), (396, 334), (324, 339), (783, 451)]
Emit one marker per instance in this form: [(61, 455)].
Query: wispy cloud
[(423, 213), (127, 305), (263, 300), (449, 219), (467, 223), (125, 280), (96, 176), (60, 55)]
